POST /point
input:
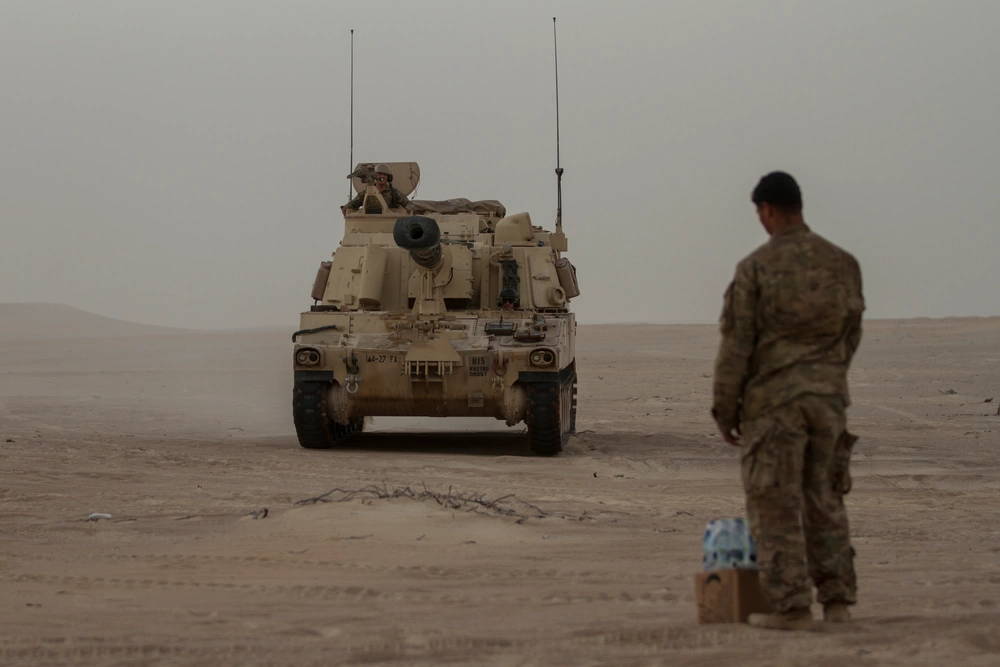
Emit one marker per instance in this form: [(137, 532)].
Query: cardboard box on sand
[(728, 596)]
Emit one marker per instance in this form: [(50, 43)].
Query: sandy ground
[(182, 436)]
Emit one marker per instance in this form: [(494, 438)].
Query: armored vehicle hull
[(458, 311)]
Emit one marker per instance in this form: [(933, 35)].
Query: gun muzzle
[(422, 237)]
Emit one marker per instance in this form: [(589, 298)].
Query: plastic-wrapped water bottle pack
[(728, 544)]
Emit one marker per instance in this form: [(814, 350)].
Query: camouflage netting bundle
[(489, 207)]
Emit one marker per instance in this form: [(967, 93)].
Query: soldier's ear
[(764, 214)]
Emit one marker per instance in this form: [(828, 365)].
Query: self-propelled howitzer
[(444, 308)]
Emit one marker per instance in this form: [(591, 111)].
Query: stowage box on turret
[(437, 308)]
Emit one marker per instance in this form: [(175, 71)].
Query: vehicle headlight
[(542, 358), (307, 356)]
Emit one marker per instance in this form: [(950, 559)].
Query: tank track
[(314, 426), (572, 406), (549, 426)]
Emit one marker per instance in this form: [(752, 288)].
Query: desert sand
[(185, 438)]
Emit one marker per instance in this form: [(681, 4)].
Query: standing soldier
[(791, 321)]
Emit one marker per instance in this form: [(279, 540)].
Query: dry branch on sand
[(508, 505)]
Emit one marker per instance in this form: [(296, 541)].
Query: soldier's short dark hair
[(778, 189)]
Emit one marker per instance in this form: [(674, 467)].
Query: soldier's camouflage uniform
[(393, 197), (790, 324)]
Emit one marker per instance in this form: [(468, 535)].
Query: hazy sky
[(183, 162)]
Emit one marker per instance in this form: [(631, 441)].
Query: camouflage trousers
[(795, 473)]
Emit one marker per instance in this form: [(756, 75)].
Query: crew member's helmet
[(383, 169)]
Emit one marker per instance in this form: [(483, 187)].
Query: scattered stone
[(988, 400), (10, 439), (259, 514), (949, 392), (97, 516)]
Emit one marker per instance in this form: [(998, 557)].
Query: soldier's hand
[(729, 426), (731, 435)]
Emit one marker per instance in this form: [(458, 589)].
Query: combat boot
[(793, 619), (836, 612)]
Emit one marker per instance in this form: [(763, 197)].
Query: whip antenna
[(559, 169), (350, 167)]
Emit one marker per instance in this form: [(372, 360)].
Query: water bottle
[(728, 544)]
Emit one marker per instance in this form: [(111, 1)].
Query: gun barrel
[(422, 237)]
